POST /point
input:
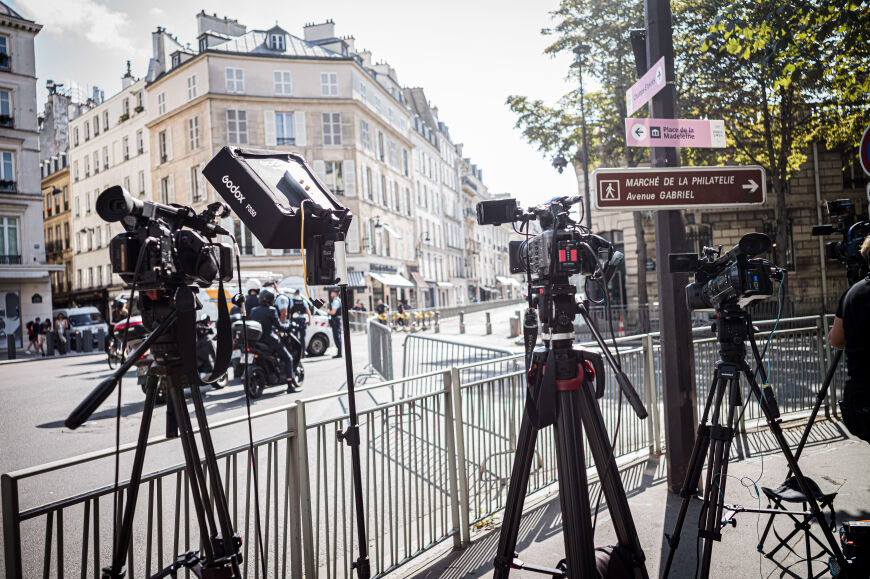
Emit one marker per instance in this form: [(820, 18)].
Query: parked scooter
[(263, 365)]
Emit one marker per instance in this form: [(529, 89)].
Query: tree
[(603, 26)]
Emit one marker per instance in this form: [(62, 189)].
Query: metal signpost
[(678, 187)]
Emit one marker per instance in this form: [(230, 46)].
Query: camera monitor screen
[(266, 189)]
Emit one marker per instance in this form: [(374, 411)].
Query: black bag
[(855, 409), (613, 562)]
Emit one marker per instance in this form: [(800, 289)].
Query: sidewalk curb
[(56, 357)]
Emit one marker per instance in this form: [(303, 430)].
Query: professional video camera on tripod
[(563, 382), (727, 284)]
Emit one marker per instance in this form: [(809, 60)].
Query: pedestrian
[(39, 328), (47, 326), (61, 326), (335, 320), (300, 311), (380, 307), (31, 339)]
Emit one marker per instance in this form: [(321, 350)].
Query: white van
[(81, 319)]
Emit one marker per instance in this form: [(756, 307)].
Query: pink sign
[(647, 87), (674, 133)]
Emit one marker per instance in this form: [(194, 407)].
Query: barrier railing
[(437, 451)]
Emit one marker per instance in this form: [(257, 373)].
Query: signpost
[(645, 88), (674, 133), (678, 187)]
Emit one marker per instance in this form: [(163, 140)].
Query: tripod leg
[(194, 470), (776, 430), (608, 475), (693, 474), (820, 399), (722, 438), (573, 487), (507, 539), (123, 543)]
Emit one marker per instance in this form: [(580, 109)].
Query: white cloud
[(99, 24)]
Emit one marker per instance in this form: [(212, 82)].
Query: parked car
[(85, 318), (318, 336)]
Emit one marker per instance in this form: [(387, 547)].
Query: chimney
[(366, 56), (127, 79), (323, 31), (97, 95), (158, 52)]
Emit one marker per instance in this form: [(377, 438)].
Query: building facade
[(25, 289), (57, 226), (109, 145)]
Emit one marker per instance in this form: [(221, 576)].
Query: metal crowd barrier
[(435, 460), (380, 349)]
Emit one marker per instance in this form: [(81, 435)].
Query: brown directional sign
[(678, 187)]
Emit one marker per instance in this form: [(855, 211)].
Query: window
[(10, 249), (176, 60), (164, 190), (276, 42), (7, 170), (405, 169), (329, 83), (4, 52), (65, 198), (5, 103), (394, 154), (363, 88), (125, 109), (235, 80), (76, 137), (79, 277), (331, 128), (237, 126), (334, 180), (99, 275), (140, 143), (383, 191), (283, 82), (161, 103), (77, 209), (125, 147), (140, 101), (381, 152), (390, 114), (98, 234), (105, 158), (378, 104), (367, 184), (87, 131), (96, 125), (75, 171), (66, 235), (284, 134), (191, 87), (127, 183), (96, 162), (105, 120), (365, 135), (195, 189), (141, 182), (193, 133), (90, 274), (163, 146), (87, 166), (243, 238)]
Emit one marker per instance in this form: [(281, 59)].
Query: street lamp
[(580, 50)]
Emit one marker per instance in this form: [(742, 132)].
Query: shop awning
[(503, 280), (390, 279), (488, 289), (356, 279), (444, 284), (418, 280)]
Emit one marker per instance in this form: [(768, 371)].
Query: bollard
[(461, 322), (50, 342), (87, 341), (101, 339), (436, 325), (514, 324), (10, 346), (488, 324)]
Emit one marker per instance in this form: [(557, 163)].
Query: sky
[(469, 56)]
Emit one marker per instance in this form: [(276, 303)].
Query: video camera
[(561, 249), (155, 251), (285, 206), (848, 250), (734, 278)]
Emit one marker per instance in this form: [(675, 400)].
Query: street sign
[(674, 133), (864, 151), (678, 187), (645, 88)]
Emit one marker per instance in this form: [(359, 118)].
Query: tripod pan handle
[(631, 394), (87, 407)]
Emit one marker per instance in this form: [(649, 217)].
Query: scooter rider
[(267, 316), (299, 308)]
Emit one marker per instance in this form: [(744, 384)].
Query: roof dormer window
[(276, 42), (176, 60)]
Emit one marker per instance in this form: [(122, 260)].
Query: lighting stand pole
[(580, 50)]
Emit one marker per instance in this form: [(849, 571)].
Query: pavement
[(837, 461)]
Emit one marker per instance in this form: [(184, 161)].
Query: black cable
[(115, 511), (254, 469)]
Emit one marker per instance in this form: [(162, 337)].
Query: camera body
[(735, 278), (848, 250)]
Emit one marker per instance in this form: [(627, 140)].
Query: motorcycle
[(259, 361)]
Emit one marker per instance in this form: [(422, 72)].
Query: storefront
[(390, 287)]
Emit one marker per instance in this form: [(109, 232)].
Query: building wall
[(57, 232), (129, 169)]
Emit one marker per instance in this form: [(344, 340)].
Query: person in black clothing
[(300, 309), (252, 299), (335, 320), (850, 333), (380, 307), (267, 316), (39, 329)]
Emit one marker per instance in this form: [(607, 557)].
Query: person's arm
[(837, 337)]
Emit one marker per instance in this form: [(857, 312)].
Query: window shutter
[(299, 127), (203, 186), (269, 122), (169, 143), (190, 186), (352, 238), (348, 173), (171, 189), (320, 170)]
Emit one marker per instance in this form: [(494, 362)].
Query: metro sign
[(678, 187)]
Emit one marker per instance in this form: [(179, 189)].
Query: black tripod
[(220, 555), (733, 327), (560, 393)]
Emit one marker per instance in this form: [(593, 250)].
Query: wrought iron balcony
[(7, 121), (10, 260)]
